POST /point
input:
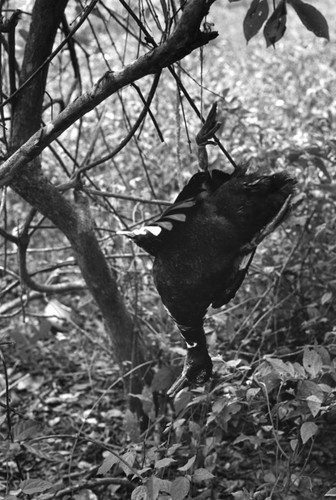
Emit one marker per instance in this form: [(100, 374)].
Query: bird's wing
[(201, 185), (245, 257), (191, 195), (177, 212), (233, 284)]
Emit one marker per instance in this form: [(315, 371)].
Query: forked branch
[(186, 37)]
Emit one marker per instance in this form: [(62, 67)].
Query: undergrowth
[(264, 427)]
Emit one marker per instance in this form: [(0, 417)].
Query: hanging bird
[(203, 246)]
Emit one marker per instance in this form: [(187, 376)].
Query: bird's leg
[(268, 229), (208, 129), (193, 335), (198, 365)]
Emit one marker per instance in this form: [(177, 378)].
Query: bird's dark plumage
[(203, 245)]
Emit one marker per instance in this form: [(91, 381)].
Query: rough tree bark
[(73, 219), (23, 172)]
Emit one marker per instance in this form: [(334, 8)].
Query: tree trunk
[(73, 219), (23, 172)]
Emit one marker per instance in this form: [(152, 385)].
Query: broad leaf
[(326, 298), (314, 404), (275, 27), (31, 486), (109, 461), (140, 493), (202, 475), (127, 462), (188, 465), (311, 18), (25, 429), (182, 399), (312, 361), (180, 488), (307, 431), (307, 388), (164, 462), (155, 485), (255, 18)]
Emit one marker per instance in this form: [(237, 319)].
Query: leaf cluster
[(258, 15)]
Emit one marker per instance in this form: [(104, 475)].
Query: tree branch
[(185, 38), (93, 483), (23, 242)]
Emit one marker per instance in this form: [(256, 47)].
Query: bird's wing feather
[(232, 285)]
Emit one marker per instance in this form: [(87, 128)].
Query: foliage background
[(278, 109)]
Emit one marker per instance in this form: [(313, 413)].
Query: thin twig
[(108, 194), (64, 42)]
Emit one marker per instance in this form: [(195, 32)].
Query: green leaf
[(188, 465), (312, 393), (31, 486), (275, 27), (108, 463), (202, 475), (283, 370), (331, 493), (129, 458), (131, 426), (311, 18), (307, 431), (269, 477), (140, 493), (25, 429), (171, 450), (326, 298), (219, 405), (312, 361), (293, 444), (182, 399), (180, 488), (314, 404), (155, 485), (255, 18), (164, 462)]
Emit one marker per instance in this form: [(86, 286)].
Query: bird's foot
[(209, 128), (178, 385), (196, 371)]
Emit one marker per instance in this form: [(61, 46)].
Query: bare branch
[(8, 236), (107, 194), (185, 38), (23, 242), (17, 303), (93, 483), (146, 109)]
